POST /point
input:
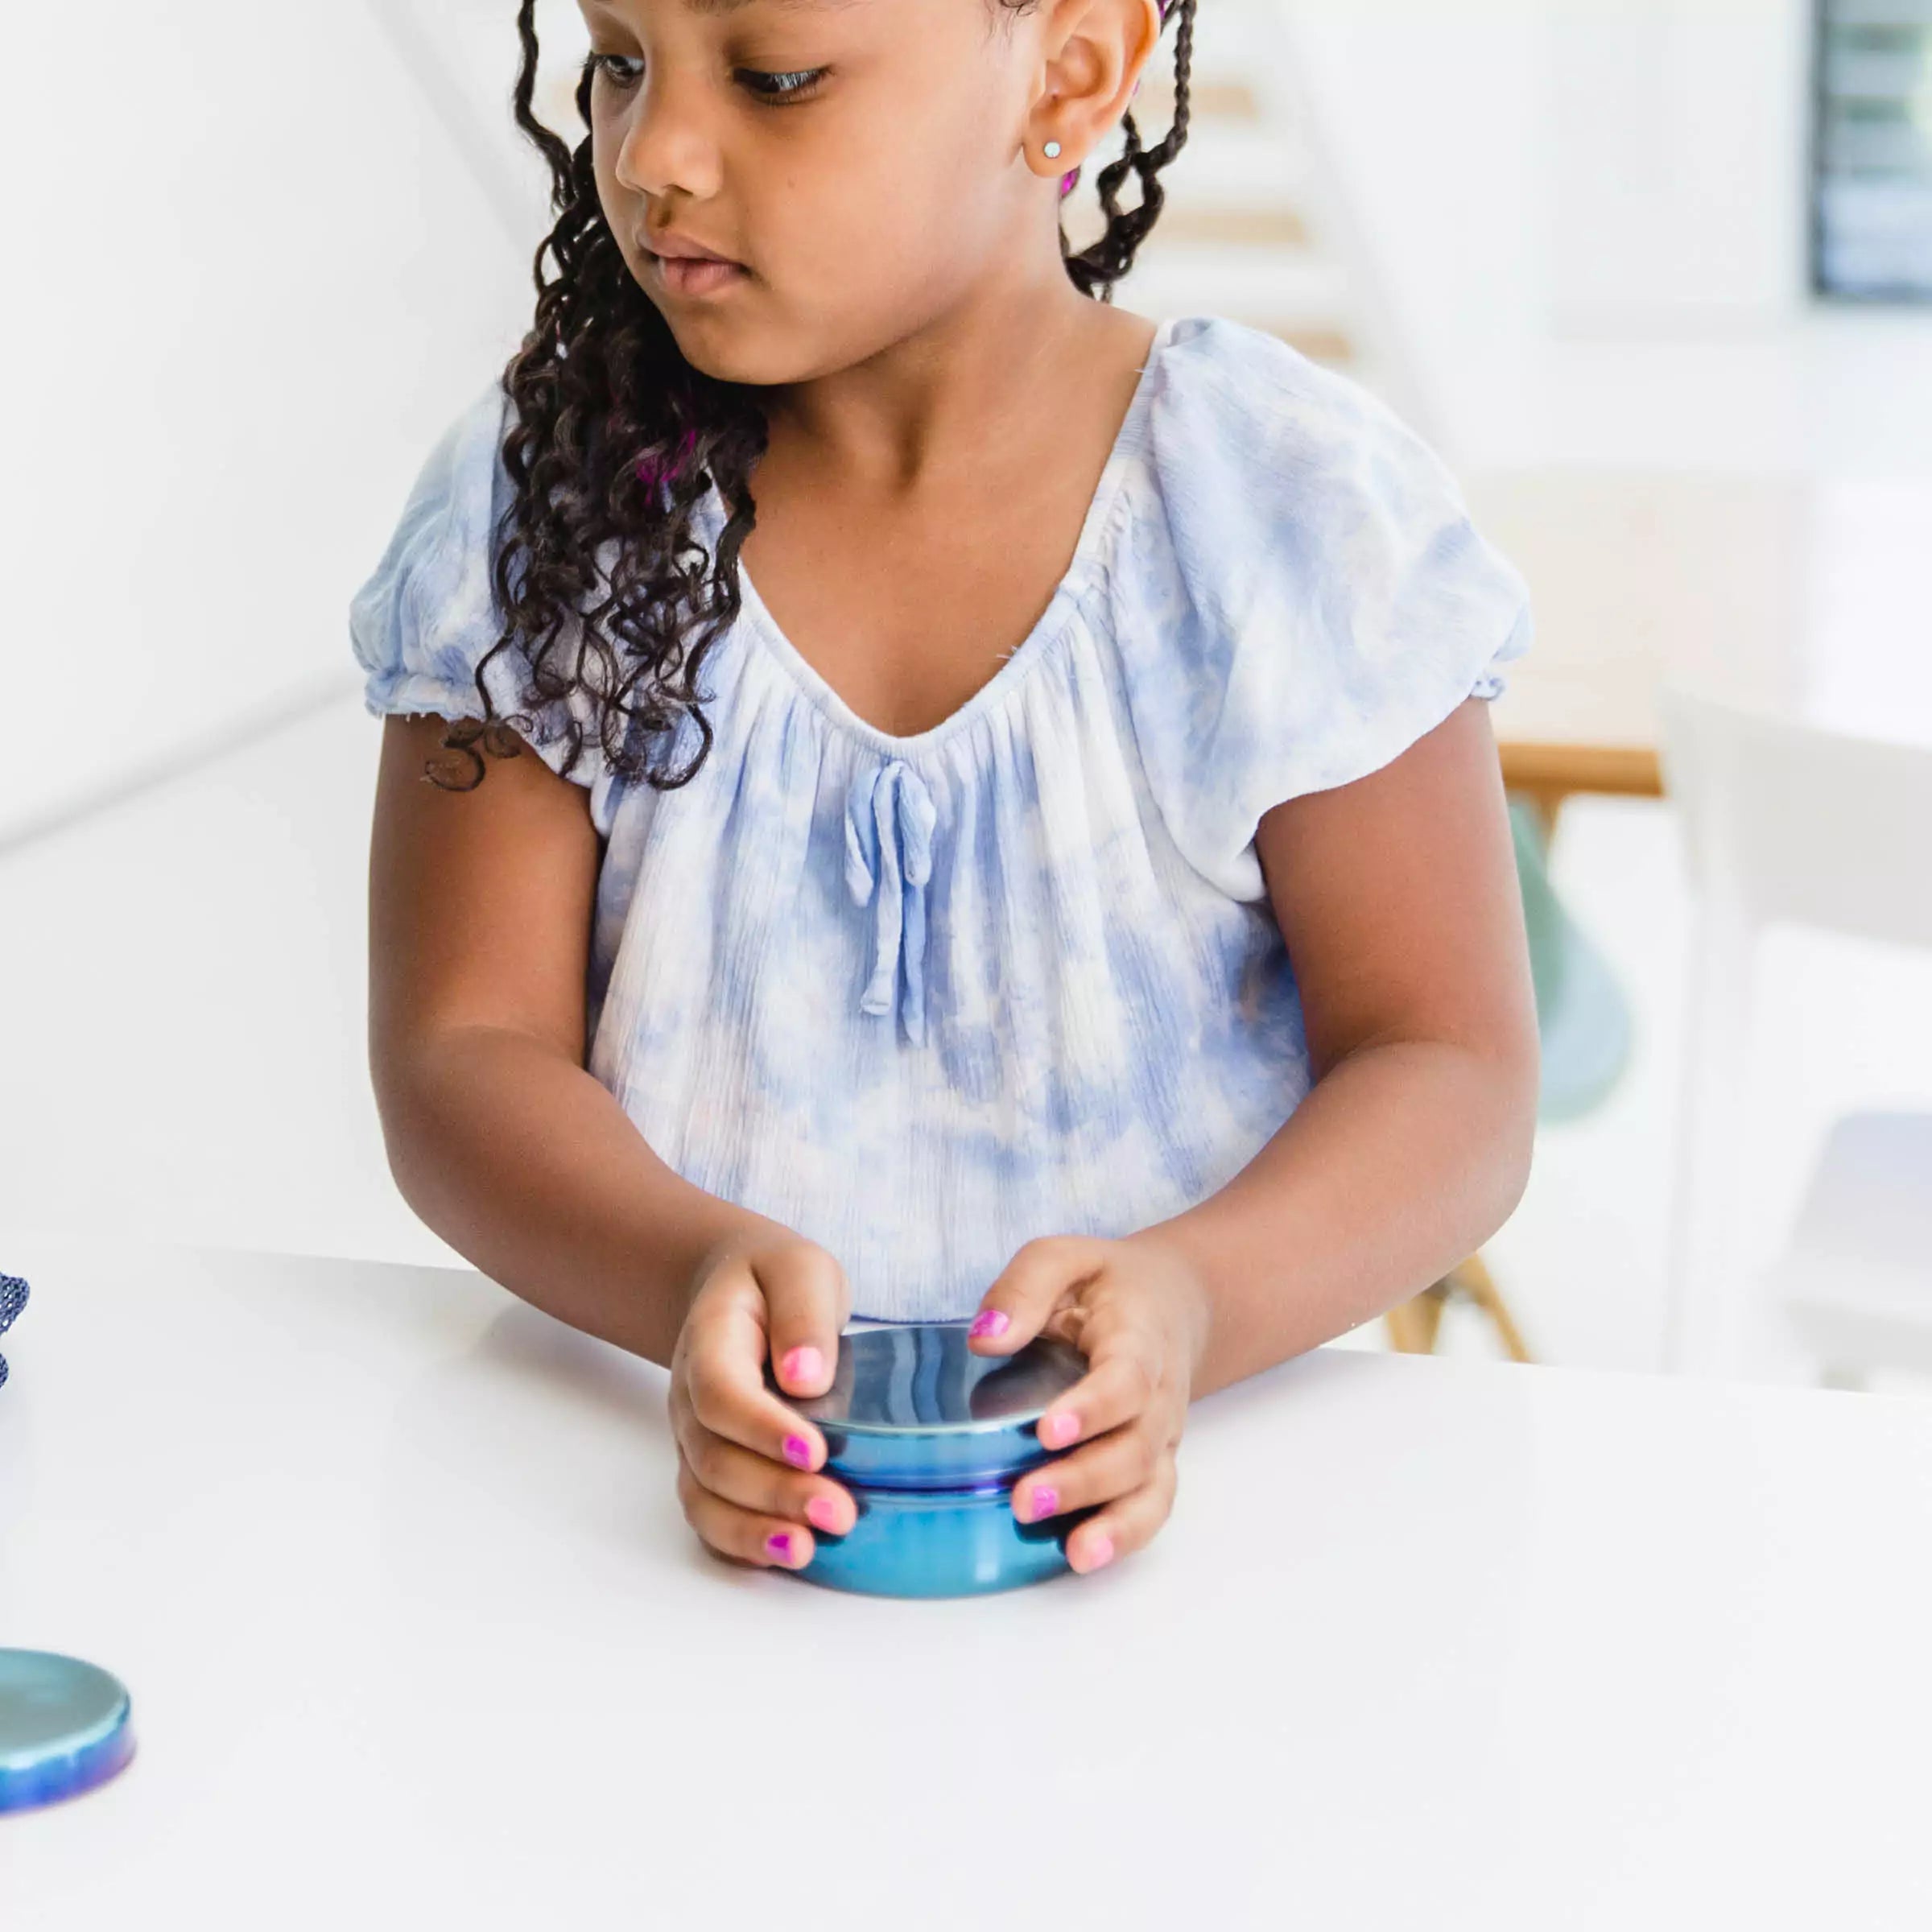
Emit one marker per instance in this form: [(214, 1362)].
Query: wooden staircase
[(1250, 228)]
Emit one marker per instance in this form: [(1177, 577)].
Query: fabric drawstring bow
[(889, 820)]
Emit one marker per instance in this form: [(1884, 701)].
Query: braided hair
[(618, 437)]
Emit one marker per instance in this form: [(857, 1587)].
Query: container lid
[(912, 1405), (63, 1728)]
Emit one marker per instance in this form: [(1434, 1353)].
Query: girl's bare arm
[(1398, 898), (480, 910)]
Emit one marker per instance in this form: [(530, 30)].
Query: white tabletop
[(1801, 595), (415, 1634)]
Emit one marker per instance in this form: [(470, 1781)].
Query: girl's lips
[(685, 275)]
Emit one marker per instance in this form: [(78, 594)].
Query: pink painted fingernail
[(991, 1321), (1046, 1501), (822, 1512), (797, 1451), (1061, 1428), (779, 1543), (1099, 1551), (802, 1364)]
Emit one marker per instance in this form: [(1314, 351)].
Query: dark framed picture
[(1871, 150)]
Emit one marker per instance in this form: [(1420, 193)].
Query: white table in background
[(416, 1636), (1799, 595)]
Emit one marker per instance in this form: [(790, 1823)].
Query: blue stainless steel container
[(63, 1728), (930, 1437)]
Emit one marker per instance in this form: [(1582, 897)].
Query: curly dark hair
[(618, 438)]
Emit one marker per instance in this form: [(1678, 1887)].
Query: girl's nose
[(668, 145)]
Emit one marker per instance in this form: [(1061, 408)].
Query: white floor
[(185, 1052)]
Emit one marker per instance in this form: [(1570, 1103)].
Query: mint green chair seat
[(1582, 1017)]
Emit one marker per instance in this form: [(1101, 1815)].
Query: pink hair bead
[(649, 472)]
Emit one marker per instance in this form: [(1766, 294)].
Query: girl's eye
[(607, 63), (776, 90), (780, 90)]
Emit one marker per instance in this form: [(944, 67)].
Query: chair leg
[(1414, 1325), (1472, 1278), (1544, 802)]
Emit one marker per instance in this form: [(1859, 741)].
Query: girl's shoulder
[(428, 619), (1303, 594), (1246, 432), (414, 623)]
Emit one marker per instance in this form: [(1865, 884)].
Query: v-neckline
[(1051, 622)]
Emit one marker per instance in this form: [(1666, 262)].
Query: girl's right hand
[(744, 1458)]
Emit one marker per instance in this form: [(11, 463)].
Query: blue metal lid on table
[(64, 1727)]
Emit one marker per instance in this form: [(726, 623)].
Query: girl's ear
[(1095, 52), (1112, 61)]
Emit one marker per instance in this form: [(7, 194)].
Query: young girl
[(1014, 830)]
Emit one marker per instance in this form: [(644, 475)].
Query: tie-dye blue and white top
[(924, 998)]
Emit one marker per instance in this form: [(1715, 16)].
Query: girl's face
[(863, 164)]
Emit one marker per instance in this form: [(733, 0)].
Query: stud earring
[(1050, 149)]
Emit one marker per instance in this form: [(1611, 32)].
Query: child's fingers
[(1126, 1524), (806, 1299), (723, 1382), (1115, 1465), (1120, 1383), (1015, 1307), (745, 1534), (757, 1483)]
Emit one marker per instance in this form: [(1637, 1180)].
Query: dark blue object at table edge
[(12, 1298)]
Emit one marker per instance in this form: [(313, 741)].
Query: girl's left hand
[(1139, 1312)]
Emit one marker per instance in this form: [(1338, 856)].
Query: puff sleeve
[(427, 613), (1309, 597)]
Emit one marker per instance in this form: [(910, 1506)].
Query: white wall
[(1530, 171), (1431, 113), (252, 276), (1678, 132)]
